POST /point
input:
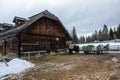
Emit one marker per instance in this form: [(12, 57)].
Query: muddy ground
[(73, 67)]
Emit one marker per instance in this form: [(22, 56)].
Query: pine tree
[(115, 33), (111, 34), (100, 35), (105, 35), (88, 39), (74, 36), (82, 39), (118, 32), (94, 36)]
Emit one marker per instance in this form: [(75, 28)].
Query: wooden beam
[(43, 35), (19, 44), (4, 47)]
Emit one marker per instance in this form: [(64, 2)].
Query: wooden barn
[(43, 31)]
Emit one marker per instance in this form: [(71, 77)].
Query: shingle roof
[(32, 19), (7, 24), (18, 18), (45, 13), (1, 27), (1, 24)]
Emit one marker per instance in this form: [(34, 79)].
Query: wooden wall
[(42, 35)]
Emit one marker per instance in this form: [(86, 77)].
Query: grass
[(74, 67)]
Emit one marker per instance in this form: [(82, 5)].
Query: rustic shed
[(43, 31)]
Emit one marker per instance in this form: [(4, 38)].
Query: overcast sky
[(86, 15)]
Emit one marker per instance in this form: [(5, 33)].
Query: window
[(48, 28)]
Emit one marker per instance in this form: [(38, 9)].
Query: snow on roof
[(101, 43), (115, 43), (15, 66)]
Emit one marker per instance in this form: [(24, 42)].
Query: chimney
[(1, 28), (18, 21), (7, 26)]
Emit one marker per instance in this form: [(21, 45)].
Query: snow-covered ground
[(15, 66)]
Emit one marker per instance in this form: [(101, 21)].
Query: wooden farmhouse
[(43, 31)]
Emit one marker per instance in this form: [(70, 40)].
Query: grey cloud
[(86, 15)]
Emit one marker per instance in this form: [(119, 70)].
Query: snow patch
[(114, 59), (15, 66)]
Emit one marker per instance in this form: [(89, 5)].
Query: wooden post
[(4, 47), (19, 44), (29, 55), (36, 56)]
